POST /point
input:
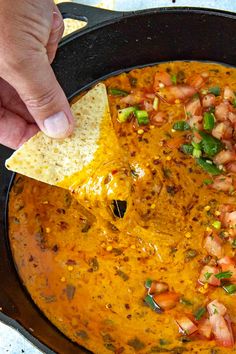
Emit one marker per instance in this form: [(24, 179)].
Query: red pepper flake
[(70, 262)]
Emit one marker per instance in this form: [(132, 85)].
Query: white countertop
[(11, 341)]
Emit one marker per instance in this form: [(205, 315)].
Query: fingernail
[(56, 21), (57, 125)]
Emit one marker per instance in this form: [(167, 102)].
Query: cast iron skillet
[(111, 42)]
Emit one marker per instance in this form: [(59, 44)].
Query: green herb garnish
[(224, 275), (207, 182), (174, 79), (164, 341), (210, 145), (148, 283), (123, 114), (181, 125), (142, 116), (117, 92), (187, 149), (185, 302), (208, 121), (215, 90), (199, 313), (230, 289), (197, 153), (151, 303), (208, 166), (207, 275), (234, 243)]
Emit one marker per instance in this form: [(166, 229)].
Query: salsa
[(160, 276)]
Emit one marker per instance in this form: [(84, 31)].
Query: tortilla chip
[(90, 163)]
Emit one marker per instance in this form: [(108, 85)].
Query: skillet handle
[(92, 15)]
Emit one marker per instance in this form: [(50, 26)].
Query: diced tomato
[(176, 92), (232, 117), (228, 94), (166, 300), (226, 208), (195, 122), (186, 326), (230, 220), (137, 96), (225, 261), (215, 307), (213, 245), (148, 105), (208, 100), (228, 264), (158, 118), (224, 156), (160, 79), (228, 144), (223, 183), (222, 111), (223, 130), (221, 330), (193, 107), (207, 275), (229, 324), (158, 287), (198, 80), (204, 328)]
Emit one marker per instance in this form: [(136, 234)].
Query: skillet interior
[(162, 35)]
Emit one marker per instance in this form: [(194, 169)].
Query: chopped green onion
[(197, 153), (155, 103), (185, 302), (208, 121), (196, 145), (207, 275), (199, 313), (234, 243), (208, 166), (207, 182), (224, 275), (117, 92), (230, 289), (151, 303), (174, 79), (210, 145), (181, 125), (234, 102), (215, 90), (216, 224), (142, 116), (163, 341), (123, 114), (187, 149), (148, 283)]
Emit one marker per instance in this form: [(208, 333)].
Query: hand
[(30, 96)]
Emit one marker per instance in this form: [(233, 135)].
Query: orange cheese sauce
[(88, 277)]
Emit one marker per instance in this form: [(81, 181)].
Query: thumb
[(37, 86)]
